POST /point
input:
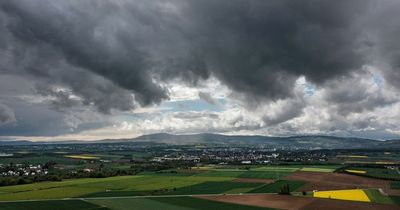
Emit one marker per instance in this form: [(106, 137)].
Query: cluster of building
[(22, 170), (239, 155)]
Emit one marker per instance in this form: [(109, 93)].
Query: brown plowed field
[(268, 200), (248, 180), (297, 203), (338, 181), (327, 204)]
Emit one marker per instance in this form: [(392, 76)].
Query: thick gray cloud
[(7, 115), (358, 93), (119, 55), (384, 32), (258, 47), (286, 111), (207, 98)]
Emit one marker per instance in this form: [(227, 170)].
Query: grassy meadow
[(277, 186)]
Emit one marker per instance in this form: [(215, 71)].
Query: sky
[(108, 69)]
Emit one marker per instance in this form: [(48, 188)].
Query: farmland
[(54, 205), (213, 181), (166, 203), (376, 172), (327, 168), (294, 202), (277, 186), (376, 196), (147, 184), (216, 188), (171, 178), (107, 187), (84, 157)]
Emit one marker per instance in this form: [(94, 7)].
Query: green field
[(395, 199), (168, 173), (321, 168), (88, 186), (259, 174), (167, 203), (395, 185), (216, 188), (378, 173), (53, 205), (216, 181), (196, 189), (209, 180), (232, 174), (277, 186), (201, 204), (375, 196), (265, 172), (277, 168), (137, 203)]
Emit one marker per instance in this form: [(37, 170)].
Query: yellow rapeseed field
[(84, 157), (352, 156), (355, 171), (385, 162), (351, 195)]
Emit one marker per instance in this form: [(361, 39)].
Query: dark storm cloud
[(287, 110), (260, 47), (61, 98), (34, 120), (103, 51), (384, 32), (255, 47), (357, 93), (7, 115), (54, 36)]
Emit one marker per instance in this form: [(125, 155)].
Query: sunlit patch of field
[(60, 152), (311, 169), (23, 152), (350, 195), (372, 162), (355, 171), (352, 156), (385, 162), (84, 157), (205, 168)]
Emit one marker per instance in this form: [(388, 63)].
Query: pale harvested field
[(338, 181), (297, 203)]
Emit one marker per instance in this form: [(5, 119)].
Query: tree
[(285, 190)]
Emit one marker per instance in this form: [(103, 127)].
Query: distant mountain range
[(310, 142)]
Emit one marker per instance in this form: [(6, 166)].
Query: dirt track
[(338, 181), (297, 203)]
